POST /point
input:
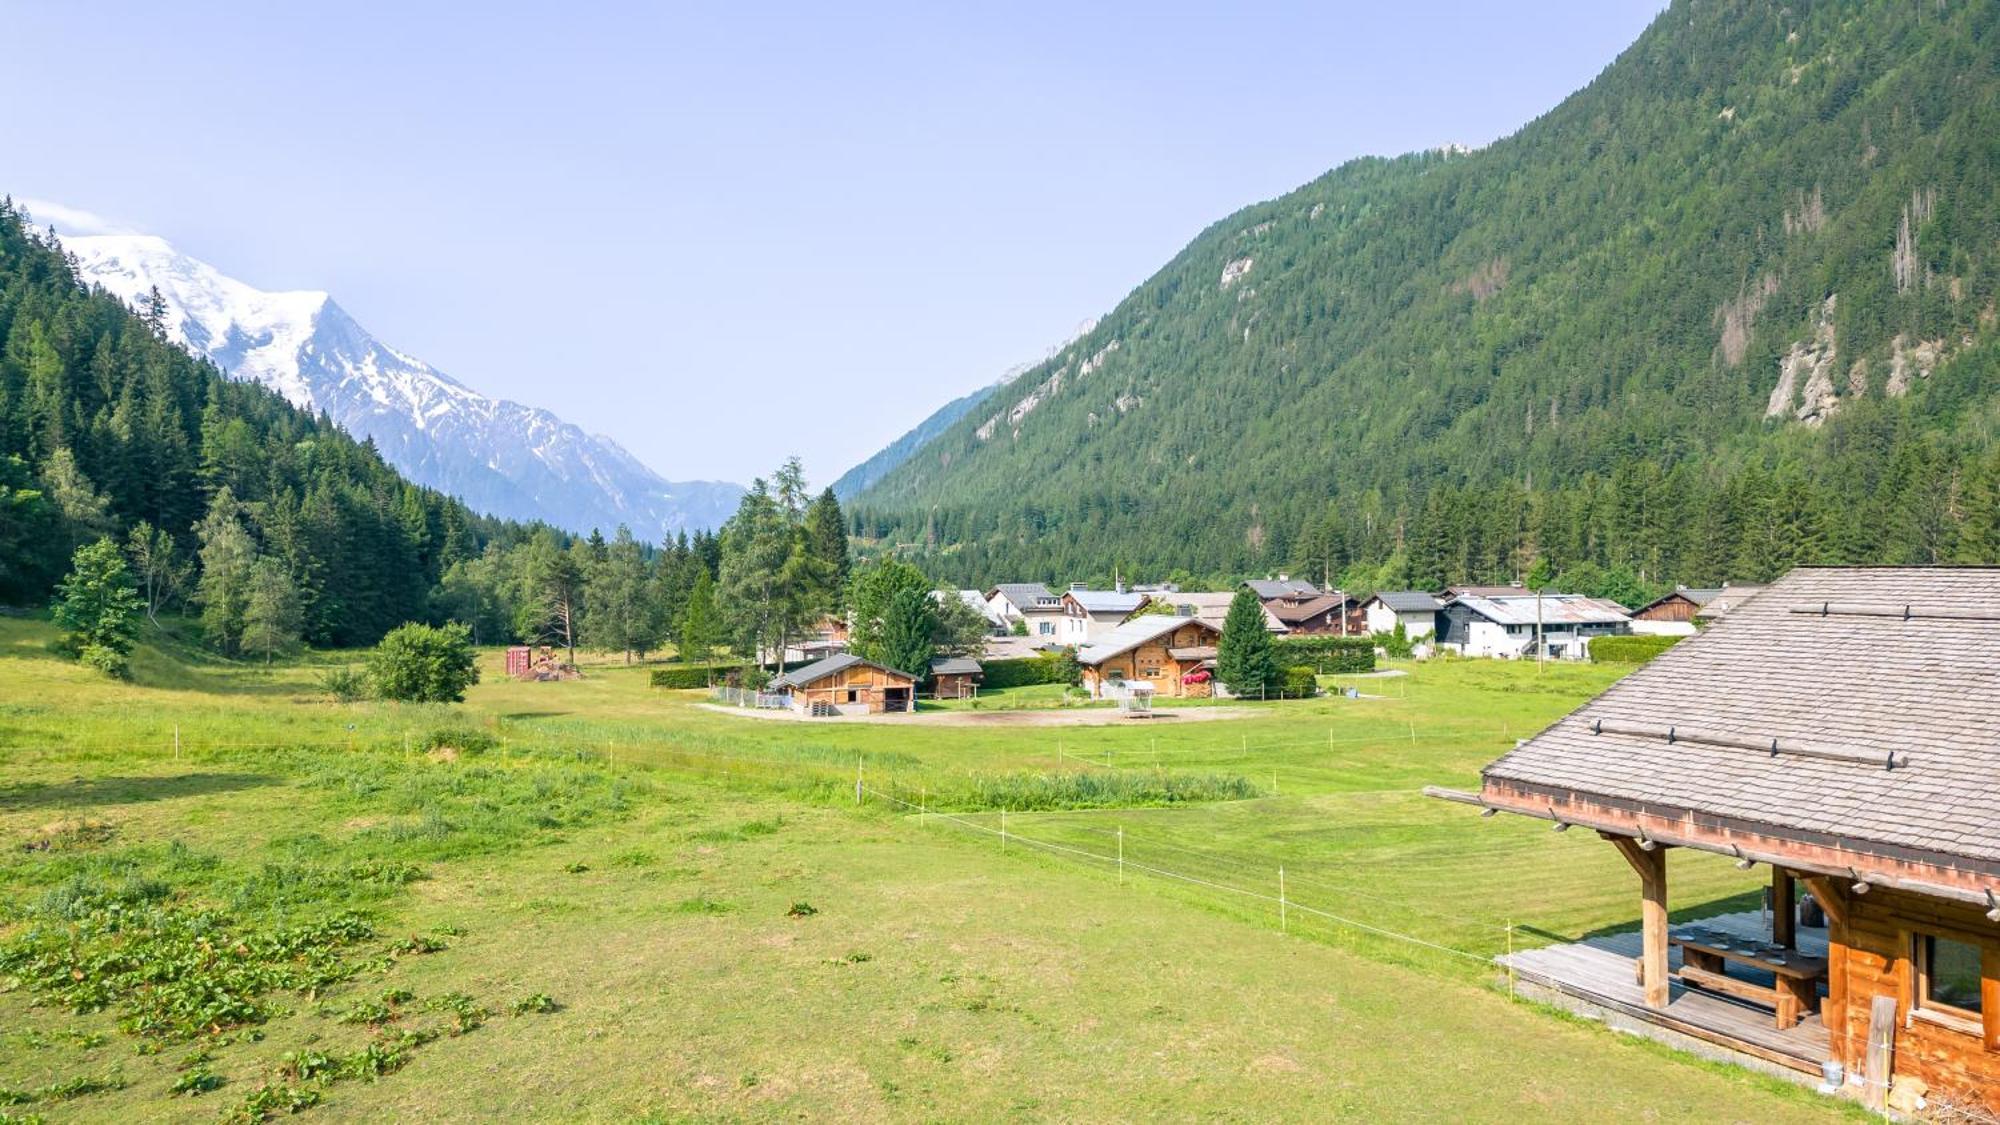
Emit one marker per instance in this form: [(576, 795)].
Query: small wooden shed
[(955, 677)]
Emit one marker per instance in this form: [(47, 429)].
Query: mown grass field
[(592, 900)]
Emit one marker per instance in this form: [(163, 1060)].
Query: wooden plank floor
[(1600, 969)]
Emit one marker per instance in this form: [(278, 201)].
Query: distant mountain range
[(892, 456), (500, 457)]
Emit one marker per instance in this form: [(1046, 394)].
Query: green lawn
[(638, 860)]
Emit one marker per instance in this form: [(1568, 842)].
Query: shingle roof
[(1028, 595), (1132, 634), (1292, 612), (1826, 663), (821, 669), (1727, 599), (1268, 588), (1698, 597), (955, 666), (1409, 601), (1554, 609)]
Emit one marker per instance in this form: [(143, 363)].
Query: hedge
[(1327, 654), (1300, 682), (1026, 671), (1635, 649)]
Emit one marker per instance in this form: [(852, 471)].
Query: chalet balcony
[(1596, 977)]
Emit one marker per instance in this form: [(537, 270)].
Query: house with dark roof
[(1333, 614), (1517, 624), (1283, 586), (847, 685), (1672, 615), (1415, 610), (1031, 604), (1172, 657), (1841, 729)]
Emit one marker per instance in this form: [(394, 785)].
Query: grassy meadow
[(230, 897)]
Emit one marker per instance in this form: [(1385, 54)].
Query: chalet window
[(1149, 673), (1047, 628), (1948, 976)]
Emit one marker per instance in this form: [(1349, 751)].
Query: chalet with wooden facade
[(847, 685), (1843, 730), (1175, 656), (1672, 615), (1333, 614)]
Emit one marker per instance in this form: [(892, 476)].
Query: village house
[(976, 601), (1088, 614), (1508, 625), (1333, 614), (1174, 657), (1283, 586), (846, 685), (1031, 604), (1415, 610), (955, 677), (1822, 735), (1672, 615)]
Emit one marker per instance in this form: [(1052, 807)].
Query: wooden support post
[(1784, 909), (1652, 869), (1833, 1012), (1881, 1051)]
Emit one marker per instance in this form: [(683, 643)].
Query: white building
[(1031, 603), (1507, 625), (1415, 610), (1089, 614)]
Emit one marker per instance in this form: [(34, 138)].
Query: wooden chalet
[(847, 685), (955, 677), (1175, 656), (1309, 615), (1843, 729)]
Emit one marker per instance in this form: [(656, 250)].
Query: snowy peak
[(502, 457)]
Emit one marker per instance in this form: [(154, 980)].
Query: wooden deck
[(1598, 971)]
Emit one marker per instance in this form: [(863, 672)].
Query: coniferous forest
[(1727, 310)]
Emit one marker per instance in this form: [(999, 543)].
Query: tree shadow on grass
[(529, 716), (94, 791)]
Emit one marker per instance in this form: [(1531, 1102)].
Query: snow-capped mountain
[(501, 457)]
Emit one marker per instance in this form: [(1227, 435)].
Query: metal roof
[(955, 666), (1409, 601), (1554, 609), (1268, 588), (1826, 674), (821, 669), (1106, 601), (1027, 595)]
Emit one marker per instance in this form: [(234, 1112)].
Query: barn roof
[(1134, 633), (1785, 716), (1292, 612), (1685, 594), (821, 669)]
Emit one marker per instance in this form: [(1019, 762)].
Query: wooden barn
[(1843, 730), (847, 685), (1672, 615), (955, 677), (1176, 655)]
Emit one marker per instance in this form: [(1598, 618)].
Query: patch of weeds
[(702, 904), (305, 1066), (394, 996), (537, 1002), (373, 1013), (447, 929), (12, 1096), (761, 827), (575, 868), (1093, 790), (81, 1086), (859, 957), (417, 943), (634, 857), (268, 1101), (802, 910), (374, 1060), (458, 740), (465, 1011), (196, 1081), (37, 1040), (749, 1080)]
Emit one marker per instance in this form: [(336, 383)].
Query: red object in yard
[(519, 659), (1198, 676)]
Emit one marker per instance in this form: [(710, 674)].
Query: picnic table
[(1706, 954)]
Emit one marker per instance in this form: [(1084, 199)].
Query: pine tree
[(97, 606), (907, 630), (1244, 658), (700, 627), (826, 535)]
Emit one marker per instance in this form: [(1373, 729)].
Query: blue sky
[(725, 233)]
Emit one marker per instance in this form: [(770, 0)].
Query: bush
[(105, 659), (345, 685), (424, 664), (1328, 655), (1396, 642), (1300, 682), (1636, 649), (459, 740)]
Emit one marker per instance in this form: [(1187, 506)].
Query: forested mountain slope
[(1729, 308), (105, 423)]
